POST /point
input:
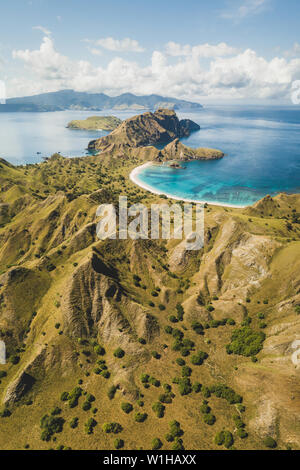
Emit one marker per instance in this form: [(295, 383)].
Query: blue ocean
[(262, 147)]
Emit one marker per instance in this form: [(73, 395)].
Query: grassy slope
[(48, 206)]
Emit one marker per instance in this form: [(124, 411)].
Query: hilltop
[(104, 123), (160, 127), (70, 99)]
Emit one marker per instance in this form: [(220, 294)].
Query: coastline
[(134, 177)]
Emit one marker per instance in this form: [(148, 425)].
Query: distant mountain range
[(70, 99)]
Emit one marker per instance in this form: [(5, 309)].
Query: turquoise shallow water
[(262, 146)]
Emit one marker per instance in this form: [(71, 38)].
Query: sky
[(244, 51)]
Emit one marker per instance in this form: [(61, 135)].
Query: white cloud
[(43, 30), (244, 75), (247, 8), (95, 51), (202, 50), (117, 45), (294, 52)]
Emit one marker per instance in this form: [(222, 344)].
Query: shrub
[(50, 425), (246, 342), (222, 391), (161, 307), (168, 330), (180, 361), (185, 386), (270, 442), (175, 430), (173, 319), (197, 387), (127, 407), (140, 417), (206, 392), (155, 355), (156, 444), (205, 409), (142, 341), (90, 398), (118, 443), (177, 334), (185, 352), (186, 371), (64, 396), (89, 426), (119, 353), (154, 381), (197, 327), (178, 445), (112, 428), (5, 413), (230, 321), (74, 396), (105, 374), (86, 406), (210, 308), (242, 433), (219, 438), (2, 374), (145, 378), (199, 358), (159, 409), (111, 392), (99, 350), (228, 439), (180, 312), (15, 359), (169, 437), (74, 423), (209, 419), (56, 411), (165, 398)]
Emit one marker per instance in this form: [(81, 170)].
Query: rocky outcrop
[(160, 127), (94, 303), (175, 150), (18, 388)]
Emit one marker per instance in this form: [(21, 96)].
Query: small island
[(95, 123)]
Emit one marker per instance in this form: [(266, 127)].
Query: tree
[(156, 444), (119, 353), (126, 407), (209, 419), (118, 443), (159, 409), (270, 442), (140, 417)]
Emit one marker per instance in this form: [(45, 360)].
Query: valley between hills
[(140, 344)]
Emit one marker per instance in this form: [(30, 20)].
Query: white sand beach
[(134, 177)]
